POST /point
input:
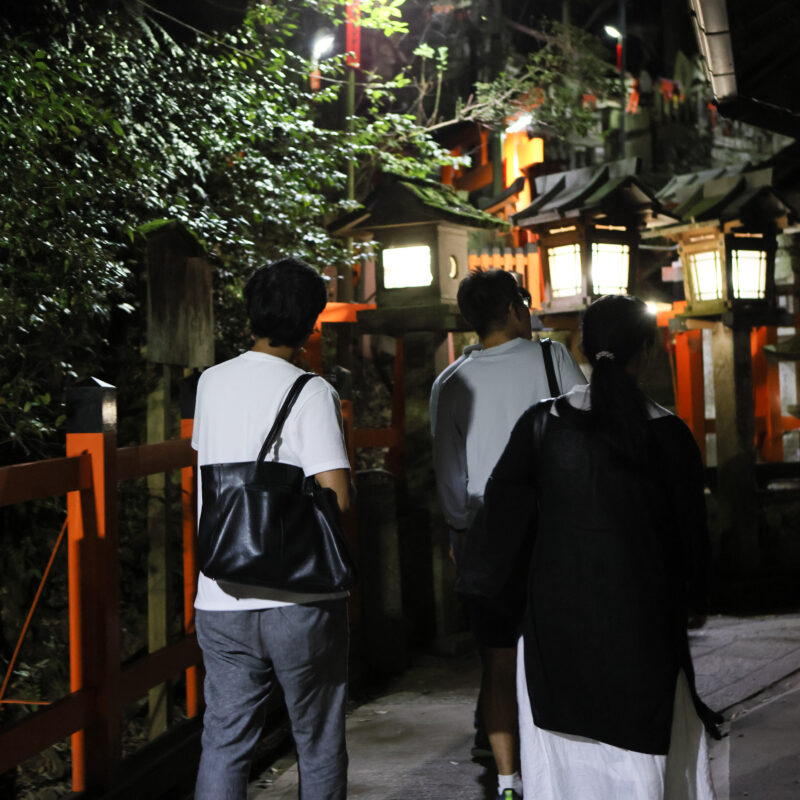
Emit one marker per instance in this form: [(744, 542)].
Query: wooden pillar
[(396, 459), (417, 506), (689, 396), (385, 629), (159, 563), (345, 344), (767, 391), (736, 484), (93, 552), (180, 331)]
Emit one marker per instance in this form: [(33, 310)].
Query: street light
[(323, 44), (615, 34)]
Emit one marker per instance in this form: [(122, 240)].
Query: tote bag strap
[(547, 353), (277, 426), (540, 417)]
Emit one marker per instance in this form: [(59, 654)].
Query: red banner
[(353, 40)]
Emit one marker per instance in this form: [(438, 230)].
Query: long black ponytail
[(615, 329)]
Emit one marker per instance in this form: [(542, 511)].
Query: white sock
[(513, 781)]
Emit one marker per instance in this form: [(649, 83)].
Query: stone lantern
[(725, 229), (420, 232), (726, 237), (587, 222)]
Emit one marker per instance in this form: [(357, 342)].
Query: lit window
[(610, 268), (407, 266), (749, 274), (565, 270), (707, 275)]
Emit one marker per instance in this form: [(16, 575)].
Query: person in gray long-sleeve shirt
[(474, 407), (477, 407)]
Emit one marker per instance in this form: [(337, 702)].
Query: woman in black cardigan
[(605, 489)]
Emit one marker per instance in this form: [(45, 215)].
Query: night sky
[(656, 29)]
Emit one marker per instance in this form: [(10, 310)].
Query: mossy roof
[(399, 200)]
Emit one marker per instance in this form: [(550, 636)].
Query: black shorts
[(495, 622), (492, 626)]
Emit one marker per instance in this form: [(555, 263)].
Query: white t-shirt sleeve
[(314, 427), (196, 423), (569, 373)]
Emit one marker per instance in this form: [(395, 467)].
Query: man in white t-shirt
[(473, 410), (255, 638)]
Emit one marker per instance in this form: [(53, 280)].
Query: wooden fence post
[(94, 583), (159, 562), (188, 394)]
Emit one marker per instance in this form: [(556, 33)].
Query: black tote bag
[(265, 523)]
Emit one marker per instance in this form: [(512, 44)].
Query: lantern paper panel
[(610, 268), (565, 270), (749, 274), (707, 275), (405, 267)]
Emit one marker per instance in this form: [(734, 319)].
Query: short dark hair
[(284, 300), (484, 297)]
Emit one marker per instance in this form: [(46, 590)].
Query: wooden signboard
[(180, 316)]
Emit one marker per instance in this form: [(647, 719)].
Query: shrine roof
[(400, 200), (604, 188)]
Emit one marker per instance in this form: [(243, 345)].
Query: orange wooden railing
[(524, 260), (89, 476), (100, 687)]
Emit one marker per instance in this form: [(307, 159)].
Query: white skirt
[(557, 766)]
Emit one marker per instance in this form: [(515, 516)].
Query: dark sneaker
[(481, 747), (509, 794)]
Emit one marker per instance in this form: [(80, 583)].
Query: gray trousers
[(303, 648)]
